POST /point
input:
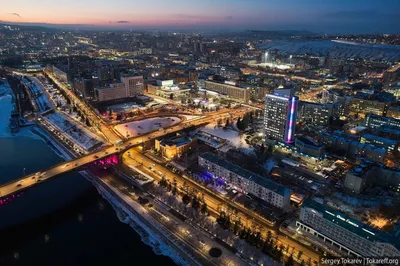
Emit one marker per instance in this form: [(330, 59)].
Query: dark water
[(62, 221)]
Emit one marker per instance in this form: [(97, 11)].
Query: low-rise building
[(310, 147), (248, 182), (344, 233), (176, 146)]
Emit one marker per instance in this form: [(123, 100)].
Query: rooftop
[(383, 140), (350, 224), (262, 181)]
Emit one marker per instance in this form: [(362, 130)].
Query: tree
[(246, 120), (299, 255), (195, 203), (290, 261), (171, 96), (204, 208), (239, 124), (228, 123), (88, 122), (186, 199)]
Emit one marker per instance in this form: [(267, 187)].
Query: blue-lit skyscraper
[(280, 115)]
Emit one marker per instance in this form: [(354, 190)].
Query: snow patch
[(135, 128)]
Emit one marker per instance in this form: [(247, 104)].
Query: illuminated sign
[(352, 223), (291, 120), (340, 217), (230, 82), (368, 231)]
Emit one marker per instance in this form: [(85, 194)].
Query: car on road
[(65, 165), (76, 164), (202, 242), (19, 184), (96, 157)]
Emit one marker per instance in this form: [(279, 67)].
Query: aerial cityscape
[(199, 133)]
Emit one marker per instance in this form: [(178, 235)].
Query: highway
[(110, 135), (30, 180), (213, 199)]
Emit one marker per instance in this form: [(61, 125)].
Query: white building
[(129, 86), (249, 182), (345, 234)]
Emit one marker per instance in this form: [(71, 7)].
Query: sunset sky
[(314, 15)]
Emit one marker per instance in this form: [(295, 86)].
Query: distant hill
[(28, 27), (281, 33)]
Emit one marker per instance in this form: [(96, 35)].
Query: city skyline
[(327, 17)]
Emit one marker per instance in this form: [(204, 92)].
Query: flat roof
[(350, 224), (262, 181), (384, 140)]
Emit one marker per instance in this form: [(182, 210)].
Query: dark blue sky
[(331, 16)]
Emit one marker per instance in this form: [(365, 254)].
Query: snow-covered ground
[(41, 100), (6, 108), (75, 134), (124, 106), (232, 136), (337, 49), (141, 127)]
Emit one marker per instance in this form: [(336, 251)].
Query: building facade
[(129, 86), (344, 233), (249, 182), (232, 91), (375, 121), (175, 147), (315, 113), (280, 116)]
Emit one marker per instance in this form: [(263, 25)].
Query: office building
[(246, 181), (380, 142), (368, 106), (280, 115), (315, 113), (344, 234), (240, 94), (375, 121), (130, 86)]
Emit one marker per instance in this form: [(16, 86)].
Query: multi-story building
[(387, 144), (375, 121), (352, 148), (113, 92), (246, 181), (280, 115), (130, 86), (133, 84), (357, 179), (344, 233), (365, 106), (309, 147), (315, 113), (230, 90), (392, 75), (175, 147)]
